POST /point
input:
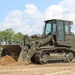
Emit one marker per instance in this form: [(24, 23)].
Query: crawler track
[(54, 55)]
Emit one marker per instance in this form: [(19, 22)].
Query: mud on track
[(47, 69)]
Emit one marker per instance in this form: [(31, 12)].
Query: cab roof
[(56, 20)]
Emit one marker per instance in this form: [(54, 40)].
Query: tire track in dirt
[(67, 72)]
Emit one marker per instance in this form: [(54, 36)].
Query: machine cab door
[(50, 28), (60, 30)]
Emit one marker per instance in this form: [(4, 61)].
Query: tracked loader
[(56, 44)]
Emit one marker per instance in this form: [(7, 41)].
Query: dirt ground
[(8, 66), (47, 69)]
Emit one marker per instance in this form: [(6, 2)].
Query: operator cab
[(58, 27)]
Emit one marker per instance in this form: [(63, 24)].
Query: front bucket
[(11, 50)]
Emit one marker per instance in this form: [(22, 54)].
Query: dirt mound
[(6, 60)]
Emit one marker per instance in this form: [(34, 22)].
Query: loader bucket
[(11, 50)]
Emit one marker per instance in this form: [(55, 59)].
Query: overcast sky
[(27, 16)]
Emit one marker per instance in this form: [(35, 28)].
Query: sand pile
[(6, 60)]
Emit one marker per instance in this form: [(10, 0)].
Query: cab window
[(54, 27), (67, 28), (50, 28)]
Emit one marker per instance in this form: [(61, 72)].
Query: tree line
[(9, 37)]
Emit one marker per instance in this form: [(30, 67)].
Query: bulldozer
[(56, 44)]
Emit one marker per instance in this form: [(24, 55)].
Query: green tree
[(18, 38), (8, 36), (1, 37)]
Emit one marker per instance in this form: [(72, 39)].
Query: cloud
[(31, 19), (54, 11), (12, 20), (63, 9), (69, 4)]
